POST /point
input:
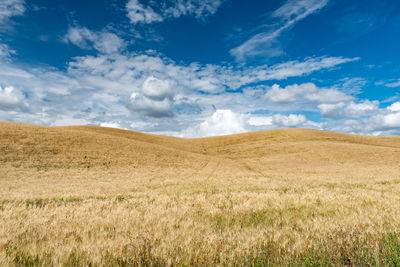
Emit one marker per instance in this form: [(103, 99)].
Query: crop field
[(93, 196)]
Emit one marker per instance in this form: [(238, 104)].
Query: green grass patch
[(360, 252), (227, 219)]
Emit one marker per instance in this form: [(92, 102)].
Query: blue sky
[(196, 68)]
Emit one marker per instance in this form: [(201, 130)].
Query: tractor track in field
[(217, 165), (207, 170), (249, 168)]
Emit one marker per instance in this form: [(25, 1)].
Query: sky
[(195, 68)]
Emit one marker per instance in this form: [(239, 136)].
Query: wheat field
[(93, 196)]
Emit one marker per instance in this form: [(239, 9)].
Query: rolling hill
[(256, 153), (83, 195)]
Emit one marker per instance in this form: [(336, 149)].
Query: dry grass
[(100, 196)]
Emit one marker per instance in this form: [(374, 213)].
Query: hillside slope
[(80, 196), (38, 146), (53, 155), (89, 146)]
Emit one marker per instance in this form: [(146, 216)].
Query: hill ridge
[(41, 144)]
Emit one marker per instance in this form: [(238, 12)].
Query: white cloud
[(64, 120), (205, 78), (149, 107), (198, 8), (104, 42), (278, 120), (265, 43), (394, 107), (327, 96), (111, 125), (295, 10), (299, 68), (5, 51), (331, 110), (349, 110), (142, 125), (12, 99), (260, 121), (291, 120), (393, 84), (78, 36), (353, 85), (154, 99), (108, 43), (157, 89), (214, 78), (377, 122), (10, 8), (281, 95), (149, 92), (139, 13), (364, 108), (392, 120), (152, 93), (308, 92), (128, 88), (222, 122)]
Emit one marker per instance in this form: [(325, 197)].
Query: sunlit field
[(101, 196)]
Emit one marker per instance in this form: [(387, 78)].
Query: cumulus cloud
[(104, 42), (138, 13), (158, 89), (378, 121), (149, 107), (291, 120), (12, 99), (285, 95), (260, 121), (206, 78), (278, 120), (265, 43), (10, 8), (331, 110), (394, 107), (308, 92), (225, 121), (392, 120), (222, 122), (388, 124), (350, 109), (150, 92), (155, 99), (128, 88), (363, 108)]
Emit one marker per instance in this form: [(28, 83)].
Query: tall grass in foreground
[(201, 226)]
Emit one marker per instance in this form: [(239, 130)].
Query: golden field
[(93, 196)]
